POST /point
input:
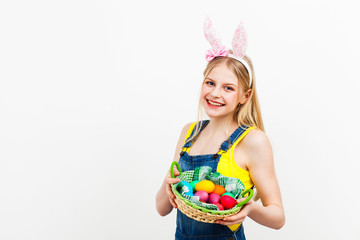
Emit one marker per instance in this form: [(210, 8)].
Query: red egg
[(214, 198), (228, 202), (221, 207), (204, 196)]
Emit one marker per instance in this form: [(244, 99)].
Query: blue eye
[(210, 83), (229, 88)]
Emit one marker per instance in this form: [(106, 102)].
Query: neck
[(222, 125)]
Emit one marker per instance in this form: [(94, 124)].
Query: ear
[(246, 97)]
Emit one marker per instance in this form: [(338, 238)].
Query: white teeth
[(214, 104)]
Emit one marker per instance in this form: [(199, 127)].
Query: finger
[(170, 192), (230, 220), (234, 218), (173, 203), (175, 171), (228, 223), (240, 200), (171, 196), (246, 208), (172, 180), (221, 222)]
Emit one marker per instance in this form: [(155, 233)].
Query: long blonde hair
[(247, 114)]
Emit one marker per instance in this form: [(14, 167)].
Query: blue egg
[(185, 188)]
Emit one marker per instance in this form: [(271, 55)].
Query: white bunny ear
[(239, 43), (211, 35)]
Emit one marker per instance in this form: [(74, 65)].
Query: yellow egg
[(205, 185)]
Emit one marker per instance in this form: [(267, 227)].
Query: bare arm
[(261, 166), (257, 153), (165, 197)]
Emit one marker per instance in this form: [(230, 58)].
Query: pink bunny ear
[(211, 35), (239, 43)]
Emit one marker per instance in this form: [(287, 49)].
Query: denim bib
[(188, 228)]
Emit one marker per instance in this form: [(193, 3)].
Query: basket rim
[(203, 209)]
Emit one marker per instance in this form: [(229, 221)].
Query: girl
[(232, 142)]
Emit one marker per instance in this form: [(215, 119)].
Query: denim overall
[(188, 228)]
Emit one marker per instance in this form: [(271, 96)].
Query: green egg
[(229, 194)]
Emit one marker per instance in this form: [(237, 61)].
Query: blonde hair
[(247, 114)]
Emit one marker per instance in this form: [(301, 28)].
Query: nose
[(216, 92)]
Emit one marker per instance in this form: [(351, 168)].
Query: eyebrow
[(227, 84)]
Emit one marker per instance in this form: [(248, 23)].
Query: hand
[(240, 216), (169, 180)]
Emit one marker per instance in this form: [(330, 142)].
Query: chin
[(212, 114)]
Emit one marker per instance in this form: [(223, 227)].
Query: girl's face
[(220, 92)]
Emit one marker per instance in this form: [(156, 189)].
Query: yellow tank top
[(227, 165)]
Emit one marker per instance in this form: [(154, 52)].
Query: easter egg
[(185, 188), (219, 190), (205, 185), (214, 198), (193, 183), (221, 207), (203, 196), (228, 202), (228, 194)]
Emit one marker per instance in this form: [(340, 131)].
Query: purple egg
[(204, 196), (214, 198)]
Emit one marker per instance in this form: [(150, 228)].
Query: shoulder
[(185, 130), (256, 146), (187, 127), (181, 140), (256, 140)]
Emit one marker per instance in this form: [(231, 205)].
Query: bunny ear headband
[(239, 44)]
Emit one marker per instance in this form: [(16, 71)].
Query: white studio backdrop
[(93, 95)]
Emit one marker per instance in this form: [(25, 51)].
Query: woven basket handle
[(251, 193), (172, 168)]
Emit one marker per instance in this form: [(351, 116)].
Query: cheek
[(233, 99), (204, 91)]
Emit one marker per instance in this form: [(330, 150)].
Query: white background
[(93, 95)]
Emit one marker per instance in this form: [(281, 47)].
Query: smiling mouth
[(215, 104)]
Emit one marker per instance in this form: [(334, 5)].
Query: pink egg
[(204, 196), (214, 198)]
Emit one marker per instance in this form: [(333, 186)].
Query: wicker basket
[(202, 214)]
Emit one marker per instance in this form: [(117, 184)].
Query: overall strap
[(202, 125), (229, 142), (188, 143)]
